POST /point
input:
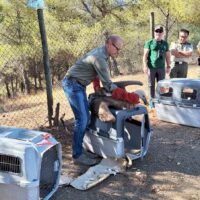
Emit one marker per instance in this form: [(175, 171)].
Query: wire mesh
[(23, 98), (23, 101)]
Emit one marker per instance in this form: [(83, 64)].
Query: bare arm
[(181, 54), (145, 60), (168, 58), (198, 51), (168, 55), (198, 48), (185, 53)]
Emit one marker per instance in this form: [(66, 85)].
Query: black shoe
[(83, 159), (90, 154)]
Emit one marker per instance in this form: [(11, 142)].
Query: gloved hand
[(142, 96), (122, 94)]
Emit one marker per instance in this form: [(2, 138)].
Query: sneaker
[(83, 159), (90, 154)]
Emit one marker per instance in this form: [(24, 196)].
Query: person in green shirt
[(156, 52)]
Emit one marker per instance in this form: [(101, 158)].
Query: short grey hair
[(113, 38)]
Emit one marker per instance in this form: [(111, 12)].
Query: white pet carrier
[(178, 101), (30, 164)]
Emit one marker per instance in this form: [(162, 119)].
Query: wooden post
[(152, 24), (47, 69)]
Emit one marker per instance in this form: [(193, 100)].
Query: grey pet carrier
[(178, 101), (129, 135), (30, 164)]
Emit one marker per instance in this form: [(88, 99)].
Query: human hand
[(145, 69), (175, 52)]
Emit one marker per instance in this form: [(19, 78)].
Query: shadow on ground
[(170, 169)]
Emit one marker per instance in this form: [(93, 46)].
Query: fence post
[(47, 69), (152, 24)]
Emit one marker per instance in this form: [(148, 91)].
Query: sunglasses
[(117, 48), (183, 36), (158, 31)]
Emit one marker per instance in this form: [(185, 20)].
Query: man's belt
[(180, 63), (76, 80)]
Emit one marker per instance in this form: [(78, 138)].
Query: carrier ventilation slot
[(49, 171), (10, 164)]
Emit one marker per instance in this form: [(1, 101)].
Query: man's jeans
[(76, 95)]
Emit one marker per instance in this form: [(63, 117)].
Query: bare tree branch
[(104, 8), (158, 6), (88, 9)]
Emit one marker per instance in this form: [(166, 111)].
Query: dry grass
[(165, 173), (31, 111)]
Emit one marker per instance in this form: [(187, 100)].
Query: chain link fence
[(23, 98)]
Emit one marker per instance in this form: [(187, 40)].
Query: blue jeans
[(77, 97)]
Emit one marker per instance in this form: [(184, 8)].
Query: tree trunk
[(23, 83), (166, 26), (56, 118), (35, 77), (40, 81), (12, 87), (16, 84), (22, 87), (27, 83), (8, 90)]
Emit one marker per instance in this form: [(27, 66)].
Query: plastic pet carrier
[(129, 135), (30, 164), (178, 101)]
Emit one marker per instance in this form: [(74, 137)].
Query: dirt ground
[(169, 171)]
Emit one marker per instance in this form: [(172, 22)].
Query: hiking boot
[(83, 159)]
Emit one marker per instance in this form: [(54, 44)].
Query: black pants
[(179, 70), (198, 60), (153, 76)]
